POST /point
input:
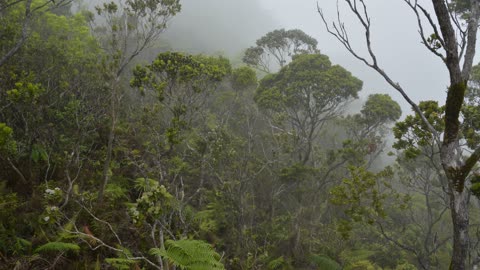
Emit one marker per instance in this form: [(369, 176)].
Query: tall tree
[(124, 31), (454, 43), (304, 95), (22, 21), (276, 49)]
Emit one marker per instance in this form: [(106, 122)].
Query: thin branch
[(472, 30), (463, 32), (471, 161), (390, 239), (7, 5), (102, 221), (362, 17), (23, 37), (432, 24), (103, 244), (432, 49), (20, 174), (29, 12)]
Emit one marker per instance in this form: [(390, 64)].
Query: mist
[(395, 40), (157, 134), (228, 27), (218, 26)]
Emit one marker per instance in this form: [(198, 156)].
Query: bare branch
[(363, 18), (402, 246), (472, 30), (432, 24), (450, 40), (462, 32), (415, 6), (101, 221), (103, 244)]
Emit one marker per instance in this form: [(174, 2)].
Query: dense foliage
[(191, 162)]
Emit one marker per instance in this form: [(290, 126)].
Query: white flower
[(57, 189), (49, 191), (54, 208), (47, 218)]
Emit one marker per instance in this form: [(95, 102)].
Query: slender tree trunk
[(111, 137), (456, 166), (460, 218)]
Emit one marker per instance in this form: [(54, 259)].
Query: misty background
[(228, 27)]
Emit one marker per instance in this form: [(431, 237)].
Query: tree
[(181, 83), (426, 218), (64, 95), (277, 48), (30, 9), (366, 131), (305, 94), (50, 97), (454, 43), (125, 30)]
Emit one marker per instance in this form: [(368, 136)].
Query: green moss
[(456, 94)]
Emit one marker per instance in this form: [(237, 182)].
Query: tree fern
[(57, 247), (190, 255)]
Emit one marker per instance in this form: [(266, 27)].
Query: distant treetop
[(276, 49)]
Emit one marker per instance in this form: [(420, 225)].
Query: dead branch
[(338, 30)]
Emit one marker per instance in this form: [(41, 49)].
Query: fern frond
[(145, 184), (57, 246), (115, 192), (23, 242), (190, 255)]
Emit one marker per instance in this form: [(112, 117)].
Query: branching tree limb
[(430, 44), (100, 243), (459, 48), (29, 13), (337, 29), (23, 36)]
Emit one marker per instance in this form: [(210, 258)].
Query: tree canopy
[(118, 151)]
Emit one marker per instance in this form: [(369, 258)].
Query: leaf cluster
[(412, 134), (190, 255), (309, 82)]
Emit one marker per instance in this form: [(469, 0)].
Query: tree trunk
[(111, 136), (460, 218)]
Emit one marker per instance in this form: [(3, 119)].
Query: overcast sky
[(395, 40), (228, 26)]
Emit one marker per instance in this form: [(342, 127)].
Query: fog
[(219, 26), (229, 26), (395, 40)]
